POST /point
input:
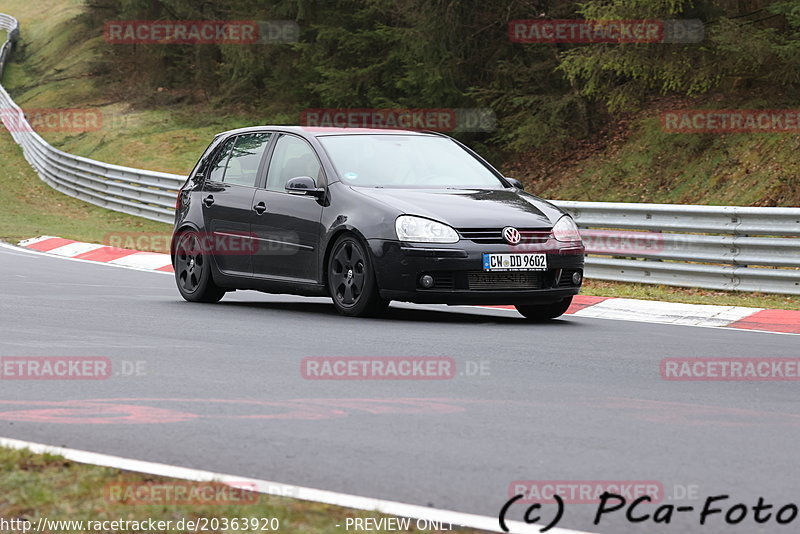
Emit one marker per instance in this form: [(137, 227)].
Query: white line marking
[(514, 313), (74, 249), (46, 255), (143, 260), (284, 490), (717, 328), (35, 240), (653, 311)]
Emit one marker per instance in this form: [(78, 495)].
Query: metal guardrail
[(714, 247), (11, 26)]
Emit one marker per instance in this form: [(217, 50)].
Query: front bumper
[(457, 270)]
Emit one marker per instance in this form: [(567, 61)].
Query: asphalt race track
[(219, 388)]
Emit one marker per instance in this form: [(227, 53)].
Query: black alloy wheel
[(193, 272), (351, 279)]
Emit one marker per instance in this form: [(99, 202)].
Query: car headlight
[(566, 231), (421, 230)]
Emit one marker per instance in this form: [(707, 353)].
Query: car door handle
[(209, 200), (260, 208)]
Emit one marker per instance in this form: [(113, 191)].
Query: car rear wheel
[(544, 312), (351, 279), (193, 271)]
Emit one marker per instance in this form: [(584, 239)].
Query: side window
[(245, 159), (202, 163), (292, 157), (216, 169)]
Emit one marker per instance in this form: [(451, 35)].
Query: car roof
[(318, 131)]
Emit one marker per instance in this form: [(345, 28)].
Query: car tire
[(351, 279), (544, 312), (193, 270)]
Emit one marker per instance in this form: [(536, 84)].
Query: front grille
[(480, 280), (443, 281), (494, 236)]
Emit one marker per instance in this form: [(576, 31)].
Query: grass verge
[(32, 208), (37, 486)]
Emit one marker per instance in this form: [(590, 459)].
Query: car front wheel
[(351, 279), (544, 312)]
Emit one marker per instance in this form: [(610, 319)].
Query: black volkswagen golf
[(367, 217)]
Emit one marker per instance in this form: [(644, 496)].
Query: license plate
[(515, 262)]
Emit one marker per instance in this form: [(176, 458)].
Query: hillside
[(628, 159), (634, 160)]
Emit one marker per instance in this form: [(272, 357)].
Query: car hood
[(470, 208)]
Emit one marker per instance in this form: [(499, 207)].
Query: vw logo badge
[(512, 235)]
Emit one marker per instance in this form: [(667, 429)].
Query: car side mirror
[(304, 185), (516, 183)]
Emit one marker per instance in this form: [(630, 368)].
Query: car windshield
[(406, 161)]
